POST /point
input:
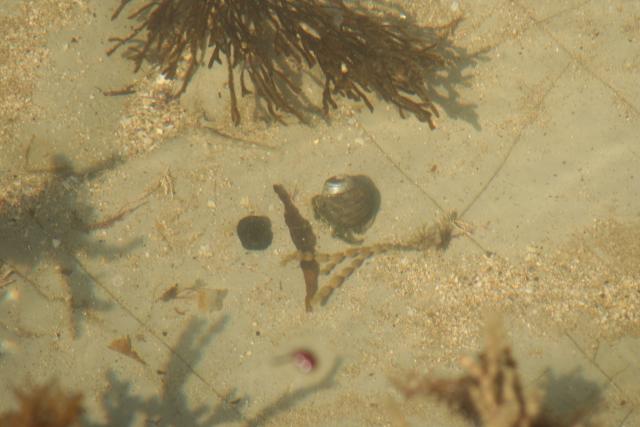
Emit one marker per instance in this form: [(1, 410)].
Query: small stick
[(65, 279), (115, 218), (5, 278), (124, 211), (127, 90)]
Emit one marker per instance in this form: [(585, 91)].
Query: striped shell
[(349, 204)]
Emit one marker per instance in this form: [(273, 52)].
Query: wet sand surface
[(118, 219)]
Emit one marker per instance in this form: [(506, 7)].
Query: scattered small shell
[(245, 203), (349, 204), (304, 360)]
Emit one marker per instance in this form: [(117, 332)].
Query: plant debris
[(434, 236), (491, 393), (358, 50), (44, 406), (211, 299), (207, 300), (123, 346), (169, 294), (304, 241)]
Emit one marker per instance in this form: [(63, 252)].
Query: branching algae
[(358, 51)]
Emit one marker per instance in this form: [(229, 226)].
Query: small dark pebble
[(255, 232)]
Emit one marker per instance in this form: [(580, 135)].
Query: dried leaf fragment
[(211, 299), (123, 346), (169, 294)]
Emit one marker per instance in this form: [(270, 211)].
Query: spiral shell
[(349, 204)]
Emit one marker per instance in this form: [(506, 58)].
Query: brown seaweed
[(358, 50), (304, 241), (490, 393), (44, 406), (434, 236)]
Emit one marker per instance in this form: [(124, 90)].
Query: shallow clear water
[(123, 278)]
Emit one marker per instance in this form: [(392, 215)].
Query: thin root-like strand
[(113, 219)]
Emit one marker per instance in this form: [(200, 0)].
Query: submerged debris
[(349, 204), (359, 51), (304, 241), (435, 236), (169, 294), (44, 406), (303, 360), (207, 300), (123, 346), (255, 232), (491, 393), (210, 300)]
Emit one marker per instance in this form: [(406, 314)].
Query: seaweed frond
[(491, 393), (44, 406), (272, 41), (305, 242)]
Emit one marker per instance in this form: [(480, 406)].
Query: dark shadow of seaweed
[(170, 406), (445, 82), (289, 400), (49, 222), (445, 74), (570, 397)]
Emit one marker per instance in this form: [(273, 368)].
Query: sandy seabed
[(109, 202)]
